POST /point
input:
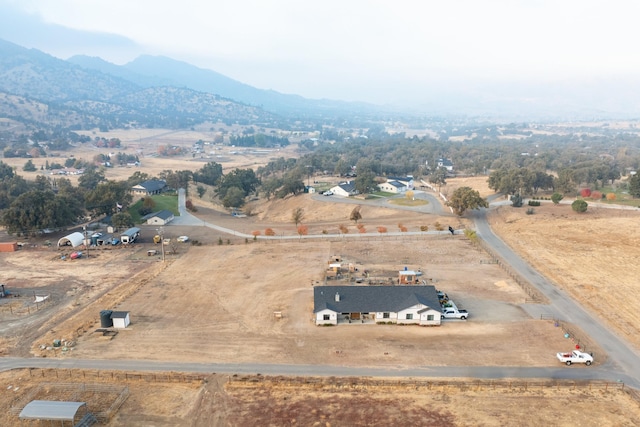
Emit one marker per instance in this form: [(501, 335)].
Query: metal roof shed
[(54, 411), (73, 239)]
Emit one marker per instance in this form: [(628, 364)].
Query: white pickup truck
[(454, 313), (575, 356)]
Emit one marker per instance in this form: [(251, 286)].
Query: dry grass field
[(168, 400), (216, 303), (593, 256)]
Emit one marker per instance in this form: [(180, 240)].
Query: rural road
[(623, 362), (479, 372)]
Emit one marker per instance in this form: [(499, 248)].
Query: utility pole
[(84, 229), (161, 233)]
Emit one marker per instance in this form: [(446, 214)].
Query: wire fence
[(534, 296), (570, 332), (454, 385)]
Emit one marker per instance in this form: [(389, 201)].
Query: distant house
[(445, 163), (345, 189), (163, 217), (392, 187), (417, 305), (148, 188)]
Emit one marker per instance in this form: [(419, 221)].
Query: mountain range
[(151, 90), (85, 91)]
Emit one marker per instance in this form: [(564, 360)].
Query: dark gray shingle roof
[(164, 214), (355, 299)]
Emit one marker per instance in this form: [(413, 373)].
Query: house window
[(385, 315), (409, 316), (429, 317), (326, 317)]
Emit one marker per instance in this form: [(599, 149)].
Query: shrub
[(611, 196), (382, 229), (255, 233), (360, 226), (343, 229), (471, 234), (579, 206), (596, 195), (325, 232), (269, 232), (530, 211), (438, 226), (362, 230), (516, 201), (303, 230), (585, 192), (220, 242), (189, 205), (534, 203), (556, 197), (424, 228), (403, 229)]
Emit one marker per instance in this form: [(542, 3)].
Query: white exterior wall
[(402, 315), (159, 221), (437, 318), (120, 322), (393, 317), (333, 317), (338, 191)]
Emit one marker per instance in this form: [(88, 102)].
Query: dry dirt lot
[(168, 400)]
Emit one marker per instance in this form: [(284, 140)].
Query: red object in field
[(577, 346)]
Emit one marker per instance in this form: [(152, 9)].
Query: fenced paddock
[(103, 400), (103, 391)]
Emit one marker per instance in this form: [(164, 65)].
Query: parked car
[(451, 313), (575, 357), (328, 193), (115, 241), (183, 239)]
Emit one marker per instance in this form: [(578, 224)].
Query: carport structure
[(65, 413), (73, 239)]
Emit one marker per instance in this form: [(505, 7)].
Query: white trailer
[(130, 235)]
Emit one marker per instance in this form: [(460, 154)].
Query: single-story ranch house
[(148, 188), (345, 189), (407, 305)]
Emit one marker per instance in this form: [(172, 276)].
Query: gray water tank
[(105, 319)]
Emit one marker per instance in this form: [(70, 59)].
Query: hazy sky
[(371, 50)]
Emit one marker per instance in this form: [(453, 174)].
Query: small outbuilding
[(8, 246), (120, 319), (163, 217), (73, 239), (64, 412)]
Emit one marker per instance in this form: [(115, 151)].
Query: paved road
[(623, 365), (480, 372)]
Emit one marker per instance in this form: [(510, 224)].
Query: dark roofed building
[(148, 188), (376, 304), (162, 217)]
